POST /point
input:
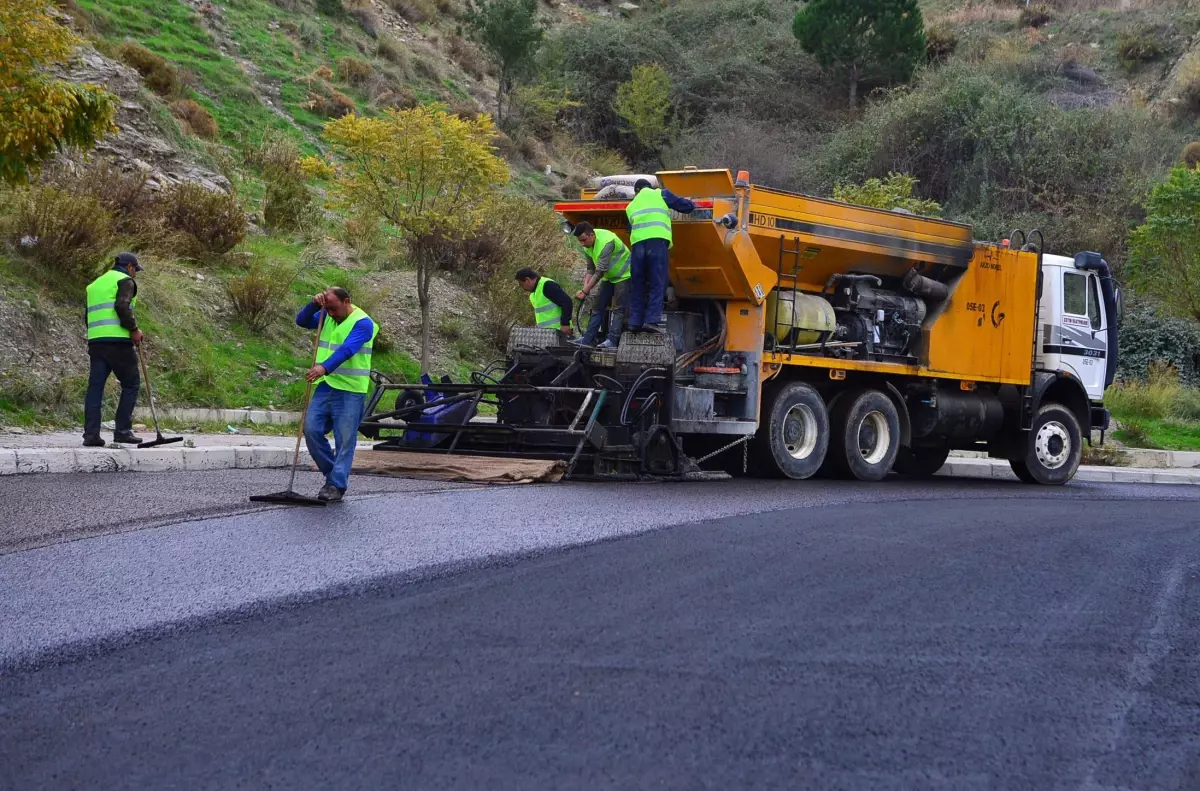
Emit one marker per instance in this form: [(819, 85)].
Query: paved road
[(957, 636)]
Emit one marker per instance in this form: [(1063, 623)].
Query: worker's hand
[(320, 299), (581, 295), (137, 337), (567, 330), (315, 373)]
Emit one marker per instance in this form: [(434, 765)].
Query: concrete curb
[(29, 461), (261, 417)]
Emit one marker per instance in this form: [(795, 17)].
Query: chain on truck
[(805, 337)]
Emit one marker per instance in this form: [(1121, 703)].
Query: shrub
[(353, 71), (940, 44), (1151, 399), (1187, 404), (1035, 15), (392, 51), (1149, 336), (196, 120), (210, 223), (335, 105), (364, 235), (1191, 154), (362, 12), (257, 296), (1187, 85), (123, 193), (67, 235), (312, 36), (468, 57), (158, 73), (288, 204), (605, 161), (1138, 47), (894, 192), (417, 11), (331, 8), (768, 149)]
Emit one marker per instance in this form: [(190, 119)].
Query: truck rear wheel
[(793, 440), (920, 462), (1054, 447), (866, 436)]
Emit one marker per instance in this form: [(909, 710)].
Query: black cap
[(129, 261), (582, 228), (639, 185)]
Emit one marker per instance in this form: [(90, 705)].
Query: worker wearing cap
[(551, 304), (112, 334), (608, 276), (343, 377), (649, 216)]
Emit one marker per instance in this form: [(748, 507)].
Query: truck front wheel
[(866, 435), (1053, 447), (793, 440)]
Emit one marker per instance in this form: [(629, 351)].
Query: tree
[(40, 115), (880, 38), (644, 103), (425, 171), (894, 192), (1164, 252), (510, 32)]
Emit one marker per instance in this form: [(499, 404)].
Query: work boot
[(654, 329), (635, 329), (92, 441), (330, 493), (607, 344), (126, 438)]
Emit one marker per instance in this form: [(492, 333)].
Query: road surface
[(952, 635)]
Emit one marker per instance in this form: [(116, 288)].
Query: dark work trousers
[(119, 359), (647, 282)]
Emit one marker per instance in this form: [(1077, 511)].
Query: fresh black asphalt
[(971, 642)]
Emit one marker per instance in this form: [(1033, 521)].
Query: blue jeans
[(609, 295), (648, 281), (119, 359), (338, 411)]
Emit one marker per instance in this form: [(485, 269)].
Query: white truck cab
[(1075, 322)]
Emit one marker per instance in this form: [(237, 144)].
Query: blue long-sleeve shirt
[(309, 318), (674, 203)]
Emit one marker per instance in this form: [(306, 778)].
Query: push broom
[(160, 439), (289, 496)]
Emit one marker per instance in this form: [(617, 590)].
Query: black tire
[(920, 462), (1054, 447), (794, 435), (866, 437)]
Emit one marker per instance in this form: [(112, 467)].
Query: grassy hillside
[(1058, 116)]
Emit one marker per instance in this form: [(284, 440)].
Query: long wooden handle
[(149, 390), (307, 393)]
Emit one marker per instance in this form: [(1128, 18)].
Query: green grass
[(1161, 435)]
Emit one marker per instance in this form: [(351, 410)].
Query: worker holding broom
[(342, 377), (112, 334)]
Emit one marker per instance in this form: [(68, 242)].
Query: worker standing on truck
[(608, 275), (551, 304), (650, 239), (343, 374), (112, 334)]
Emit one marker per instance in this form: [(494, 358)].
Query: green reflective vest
[(102, 319), (545, 312), (618, 263), (353, 375), (649, 217)]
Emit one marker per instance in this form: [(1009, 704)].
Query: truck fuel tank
[(810, 315)]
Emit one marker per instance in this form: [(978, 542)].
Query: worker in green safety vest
[(650, 241), (551, 304), (343, 377), (607, 276), (112, 334)]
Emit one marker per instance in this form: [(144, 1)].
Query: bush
[(893, 192), (1151, 399), (67, 235), (1187, 404), (258, 296), (335, 105), (353, 71), (210, 223), (468, 57), (768, 149), (196, 120), (362, 12), (1191, 154), (1187, 86), (331, 8), (158, 73), (312, 36), (365, 236), (1149, 336), (122, 193), (288, 204), (1138, 47), (1035, 15), (417, 11), (940, 44), (392, 51)]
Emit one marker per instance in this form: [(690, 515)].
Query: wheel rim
[(874, 437), (1052, 445), (800, 432)]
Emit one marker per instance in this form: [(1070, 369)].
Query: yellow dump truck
[(805, 336)]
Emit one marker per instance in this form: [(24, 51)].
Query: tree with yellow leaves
[(424, 171), (40, 115)]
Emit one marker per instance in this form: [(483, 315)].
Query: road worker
[(649, 216), (342, 375), (551, 304), (608, 276), (112, 334)]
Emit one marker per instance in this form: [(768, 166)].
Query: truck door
[(1081, 331)]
